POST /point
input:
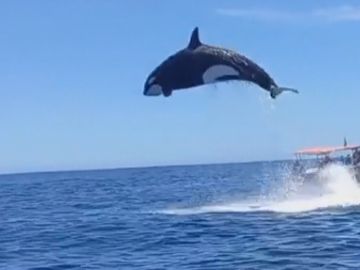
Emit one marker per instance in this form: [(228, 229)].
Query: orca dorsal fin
[(194, 40)]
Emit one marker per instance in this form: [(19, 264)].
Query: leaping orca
[(200, 64)]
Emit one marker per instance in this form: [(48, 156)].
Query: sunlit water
[(236, 216)]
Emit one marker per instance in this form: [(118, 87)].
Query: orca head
[(156, 83), (152, 86)]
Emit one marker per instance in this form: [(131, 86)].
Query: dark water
[(198, 217)]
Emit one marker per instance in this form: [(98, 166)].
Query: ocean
[(230, 216)]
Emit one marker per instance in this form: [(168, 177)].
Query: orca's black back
[(185, 68)]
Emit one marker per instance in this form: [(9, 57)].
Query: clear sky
[(72, 75)]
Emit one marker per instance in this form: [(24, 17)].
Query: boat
[(310, 161)]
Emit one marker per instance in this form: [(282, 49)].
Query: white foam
[(336, 187)]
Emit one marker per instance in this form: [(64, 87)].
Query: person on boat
[(356, 157), (347, 160), (327, 160)]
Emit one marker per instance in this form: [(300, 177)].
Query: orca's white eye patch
[(154, 90), (213, 73), (151, 80)]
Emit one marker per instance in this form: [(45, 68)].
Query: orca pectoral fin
[(275, 91), (167, 92)]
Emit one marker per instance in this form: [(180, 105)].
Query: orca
[(201, 64)]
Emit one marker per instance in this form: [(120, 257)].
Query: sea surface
[(233, 216)]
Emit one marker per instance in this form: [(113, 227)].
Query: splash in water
[(334, 187)]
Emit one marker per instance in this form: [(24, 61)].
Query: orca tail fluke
[(275, 91)]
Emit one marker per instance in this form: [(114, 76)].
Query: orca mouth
[(153, 90)]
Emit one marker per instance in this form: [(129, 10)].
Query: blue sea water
[(233, 216)]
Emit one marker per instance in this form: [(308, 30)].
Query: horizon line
[(136, 167)]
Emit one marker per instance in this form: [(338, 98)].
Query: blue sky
[(72, 75)]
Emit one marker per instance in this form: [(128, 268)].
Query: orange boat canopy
[(325, 150)]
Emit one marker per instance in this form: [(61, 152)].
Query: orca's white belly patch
[(213, 73)]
